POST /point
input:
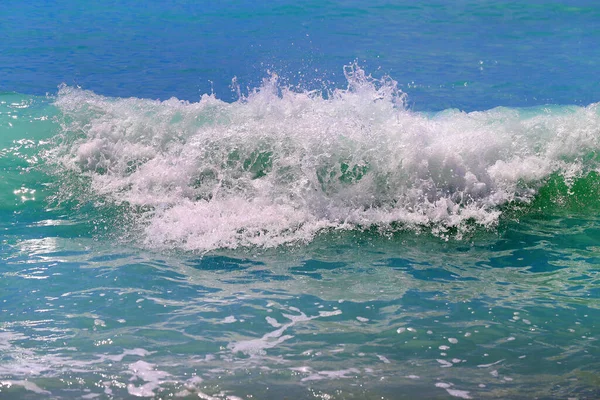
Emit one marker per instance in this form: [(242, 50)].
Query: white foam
[(127, 352), (383, 359), (330, 313), (27, 385), (148, 373), (273, 322), (205, 396), (330, 375), (463, 394), (489, 365), (279, 166), (272, 339)]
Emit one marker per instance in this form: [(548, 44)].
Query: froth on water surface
[(350, 315), (280, 165), (291, 243)]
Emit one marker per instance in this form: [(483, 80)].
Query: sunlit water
[(315, 228), (512, 315)]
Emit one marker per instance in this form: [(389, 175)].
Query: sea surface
[(299, 199)]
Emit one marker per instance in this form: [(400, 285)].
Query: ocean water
[(300, 200)]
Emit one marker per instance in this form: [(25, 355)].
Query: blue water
[(315, 200), (508, 53)]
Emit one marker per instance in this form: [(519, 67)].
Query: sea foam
[(280, 165)]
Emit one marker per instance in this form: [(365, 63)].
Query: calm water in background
[(311, 238), (507, 53)]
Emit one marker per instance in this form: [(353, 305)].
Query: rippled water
[(507, 315), (313, 216)]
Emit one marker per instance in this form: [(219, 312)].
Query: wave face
[(279, 165)]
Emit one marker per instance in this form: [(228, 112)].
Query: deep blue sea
[(299, 199)]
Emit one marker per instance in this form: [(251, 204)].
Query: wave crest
[(279, 165)]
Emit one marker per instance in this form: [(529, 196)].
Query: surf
[(281, 165)]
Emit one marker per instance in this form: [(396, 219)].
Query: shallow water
[(512, 315)]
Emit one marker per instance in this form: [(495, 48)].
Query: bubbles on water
[(279, 165), (27, 385), (149, 374)]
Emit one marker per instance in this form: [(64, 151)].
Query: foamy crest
[(278, 166)]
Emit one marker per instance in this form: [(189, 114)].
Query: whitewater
[(279, 166), (302, 200), (289, 197)]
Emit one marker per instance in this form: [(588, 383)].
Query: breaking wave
[(280, 165)]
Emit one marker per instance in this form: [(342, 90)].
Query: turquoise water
[(302, 201)]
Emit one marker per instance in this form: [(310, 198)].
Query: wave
[(280, 165)]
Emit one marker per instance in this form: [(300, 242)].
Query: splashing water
[(503, 314), (278, 165)]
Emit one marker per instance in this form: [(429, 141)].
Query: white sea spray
[(279, 165)]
